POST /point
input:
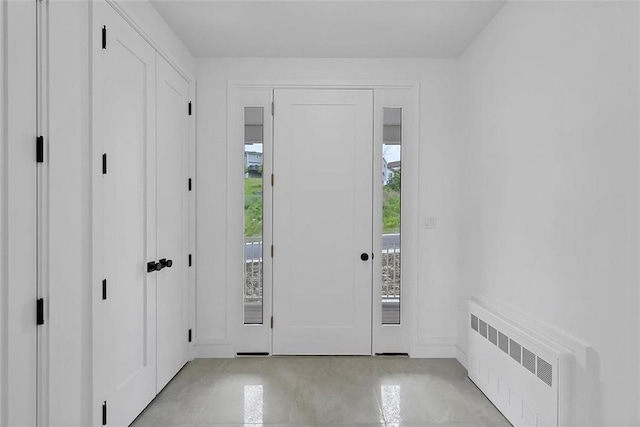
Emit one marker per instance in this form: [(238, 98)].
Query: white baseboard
[(435, 348), (212, 351), (462, 357)]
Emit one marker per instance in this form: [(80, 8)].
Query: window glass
[(391, 197), (253, 205)]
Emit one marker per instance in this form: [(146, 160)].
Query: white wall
[(548, 201), (436, 333), (69, 177)]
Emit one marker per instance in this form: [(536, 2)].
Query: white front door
[(171, 192), (322, 221), (126, 313)]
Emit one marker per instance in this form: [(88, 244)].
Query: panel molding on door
[(322, 221), (125, 207), (172, 98)]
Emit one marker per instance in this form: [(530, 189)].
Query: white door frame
[(405, 94)]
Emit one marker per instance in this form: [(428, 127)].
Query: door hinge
[(189, 335), (104, 413), (189, 107), (271, 251), (272, 179), (189, 185), (40, 311), (40, 149), (104, 163), (104, 36), (104, 289), (189, 260), (271, 322), (272, 108)]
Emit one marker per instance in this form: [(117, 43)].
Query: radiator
[(525, 375)]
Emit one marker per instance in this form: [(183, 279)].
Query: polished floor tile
[(320, 391)]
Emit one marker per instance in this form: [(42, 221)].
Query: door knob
[(364, 256), (165, 263)]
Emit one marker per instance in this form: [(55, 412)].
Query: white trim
[(192, 201), (462, 357), (3, 217), (256, 337), (410, 213), (125, 15), (207, 351), (435, 348), (398, 338), (325, 84), (42, 212)]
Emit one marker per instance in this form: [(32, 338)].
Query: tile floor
[(312, 391)]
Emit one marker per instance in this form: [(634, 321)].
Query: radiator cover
[(525, 375)]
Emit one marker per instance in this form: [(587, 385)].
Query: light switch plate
[(430, 222)]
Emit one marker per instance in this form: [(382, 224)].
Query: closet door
[(172, 100), (124, 76)]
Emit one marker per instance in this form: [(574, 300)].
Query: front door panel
[(322, 213)]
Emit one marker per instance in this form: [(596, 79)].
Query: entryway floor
[(312, 391)]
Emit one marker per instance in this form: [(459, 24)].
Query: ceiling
[(327, 29)]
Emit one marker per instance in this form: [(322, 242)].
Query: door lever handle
[(165, 263)]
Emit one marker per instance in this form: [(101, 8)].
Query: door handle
[(165, 263), (157, 266), (364, 256)]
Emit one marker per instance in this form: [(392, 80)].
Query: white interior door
[(172, 98), (322, 221), (125, 70)]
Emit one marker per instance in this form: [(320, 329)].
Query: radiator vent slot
[(503, 342), (474, 323), (483, 328), (493, 335), (515, 350), (545, 371), (529, 360)]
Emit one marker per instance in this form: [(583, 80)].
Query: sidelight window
[(253, 207), (391, 202)]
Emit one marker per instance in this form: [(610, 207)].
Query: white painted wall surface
[(549, 184), (437, 187), (70, 317)]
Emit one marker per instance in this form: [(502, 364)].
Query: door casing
[(240, 338)]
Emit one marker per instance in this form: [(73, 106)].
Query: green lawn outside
[(252, 207)]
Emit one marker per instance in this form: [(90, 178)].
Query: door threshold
[(253, 354)]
